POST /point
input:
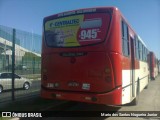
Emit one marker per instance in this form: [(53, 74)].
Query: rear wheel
[(26, 86), (1, 89)]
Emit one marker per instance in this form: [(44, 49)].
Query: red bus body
[(153, 66), (94, 68)]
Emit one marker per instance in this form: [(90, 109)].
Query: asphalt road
[(35, 88), (149, 100)]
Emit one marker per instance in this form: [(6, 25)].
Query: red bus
[(153, 65), (92, 55)]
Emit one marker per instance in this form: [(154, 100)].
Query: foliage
[(31, 56)]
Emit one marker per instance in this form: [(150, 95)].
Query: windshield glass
[(77, 30)]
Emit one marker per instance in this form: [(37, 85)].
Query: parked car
[(6, 81)]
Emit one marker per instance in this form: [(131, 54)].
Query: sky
[(27, 15)]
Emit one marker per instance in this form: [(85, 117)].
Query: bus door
[(132, 66)]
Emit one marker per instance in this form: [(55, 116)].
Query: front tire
[(26, 86), (1, 89)]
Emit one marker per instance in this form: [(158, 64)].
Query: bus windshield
[(77, 30)]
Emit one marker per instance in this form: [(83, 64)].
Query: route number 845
[(89, 34)]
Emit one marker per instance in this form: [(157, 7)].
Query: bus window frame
[(123, 39), (136, 48)]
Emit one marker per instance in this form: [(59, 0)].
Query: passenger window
[(16, 76), (136, 47), (140, 50), (4, 75), (125, 40), (10, 75)]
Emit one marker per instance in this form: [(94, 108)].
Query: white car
[(6, 82)]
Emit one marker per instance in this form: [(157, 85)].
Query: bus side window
[(136, 47), (125, 39), (142, 52), (140, 49), (145, 54)]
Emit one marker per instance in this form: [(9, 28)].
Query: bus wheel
[(135, 100), (1, 89)]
